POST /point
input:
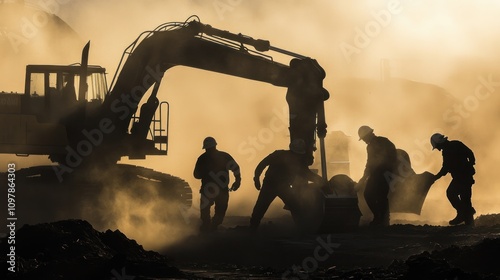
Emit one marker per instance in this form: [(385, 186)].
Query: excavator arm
[(201, 46)]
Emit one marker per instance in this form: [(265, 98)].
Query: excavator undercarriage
[(103, 197)]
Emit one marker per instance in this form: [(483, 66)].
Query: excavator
[(69, 114)]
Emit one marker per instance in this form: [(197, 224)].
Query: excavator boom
[(201, 46)]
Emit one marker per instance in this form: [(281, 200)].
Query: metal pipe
[(323, 158), (276, 49)]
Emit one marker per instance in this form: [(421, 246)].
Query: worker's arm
[(363, 179), (370, 161), (258, 170), (443, 171), (235, 168), (197, 173)]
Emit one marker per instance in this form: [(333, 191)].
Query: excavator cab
[(49, 103), (57, 105), (52, 90)]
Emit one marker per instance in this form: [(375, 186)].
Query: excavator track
[(101, 196)]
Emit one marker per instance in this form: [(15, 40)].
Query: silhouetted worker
[(381, 162), (284, 166), (459, 161), (212, 167)]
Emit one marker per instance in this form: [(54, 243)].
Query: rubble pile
[(73, 249), (479, 261), (487, 220)]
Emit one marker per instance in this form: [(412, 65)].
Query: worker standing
[(284, 167), (212, 167), (381, 163), (459, 161)]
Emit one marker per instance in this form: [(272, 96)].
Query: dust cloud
[(406, 68), (139, 207)]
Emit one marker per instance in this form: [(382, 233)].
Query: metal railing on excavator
[(158, 131)]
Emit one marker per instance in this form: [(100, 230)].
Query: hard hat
[(209, 142), (436, 139), (298, 146), (364, 131)]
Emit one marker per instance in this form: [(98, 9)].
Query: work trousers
[(267, 195), (459, 194), (376, 191), (209, 197)]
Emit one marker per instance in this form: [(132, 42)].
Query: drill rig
[(67, 113)]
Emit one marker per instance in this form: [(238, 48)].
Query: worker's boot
[(458, 219), (469, 217), (386, 220), (377, 221), (205, 227), (215, 226)]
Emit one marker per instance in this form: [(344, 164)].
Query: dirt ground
[(276, 251), (73, 249)]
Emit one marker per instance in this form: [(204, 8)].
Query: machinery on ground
[(67, 113)]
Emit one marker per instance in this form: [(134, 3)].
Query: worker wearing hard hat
[(380, 165), (284, 167), (458, 160), (212, 167)]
